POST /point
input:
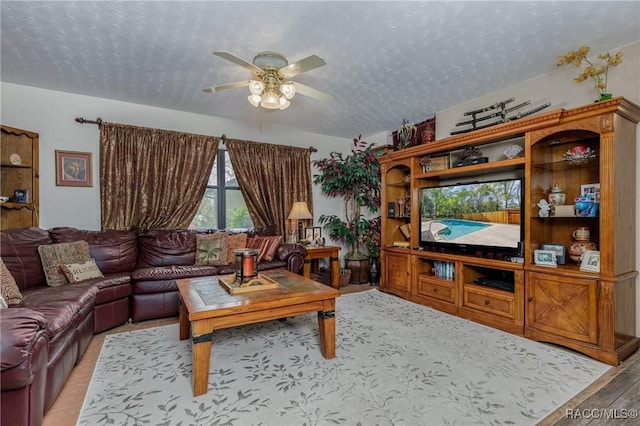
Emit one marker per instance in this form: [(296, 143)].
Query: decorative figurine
[(545, 208)]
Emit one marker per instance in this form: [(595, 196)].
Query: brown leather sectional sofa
[(44, 336)]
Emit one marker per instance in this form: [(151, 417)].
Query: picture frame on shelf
[(560, 250), (312, 233), (590, 189), (391, 209), (590, 261), (73, 168), (20, 196), (545, 257)]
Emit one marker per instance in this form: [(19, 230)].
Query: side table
[(321, 252)]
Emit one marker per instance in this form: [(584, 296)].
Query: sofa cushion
[(166, 248), (212, 249), (112, 288), (9, 289), (113, 251), (60, 307), (79, 272), (20, 329), (236, 241), (55, 255), (19, 249), (174, 272)]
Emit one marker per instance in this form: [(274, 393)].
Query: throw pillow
[(78, 272), (271, 246), (267, 246), (54, 255), (256, 242), (212, 249), (236, 241), (9, 289), (3, 304)]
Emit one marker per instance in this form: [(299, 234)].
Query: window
[(223, 206)]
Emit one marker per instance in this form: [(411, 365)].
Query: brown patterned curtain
[(152, 178), (271, 178)]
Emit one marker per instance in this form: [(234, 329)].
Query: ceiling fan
[(271, 87)]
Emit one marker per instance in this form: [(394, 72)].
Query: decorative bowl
[(578, 155), (513, 151)]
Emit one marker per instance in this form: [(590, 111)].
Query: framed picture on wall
[(73, 168)]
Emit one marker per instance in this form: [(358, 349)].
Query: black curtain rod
[(98, 121)]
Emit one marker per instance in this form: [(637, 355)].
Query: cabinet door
[(563, 306), (397, 274)]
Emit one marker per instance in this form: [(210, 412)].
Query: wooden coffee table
[(205, 307)]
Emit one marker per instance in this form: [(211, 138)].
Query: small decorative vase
[(605, 97), (577, 248), (556, 196)]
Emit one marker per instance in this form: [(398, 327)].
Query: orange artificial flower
[(597, 74)]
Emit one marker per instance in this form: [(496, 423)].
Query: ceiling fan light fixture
[(284, 103), (254, 100), (288, 89), (270, 101), (256, 87)]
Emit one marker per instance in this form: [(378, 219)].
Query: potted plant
[(405, 134), (596, 72), (355, 178)]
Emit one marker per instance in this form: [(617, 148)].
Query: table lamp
[(300, 211)]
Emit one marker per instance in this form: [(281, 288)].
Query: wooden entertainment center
[(591, 312)]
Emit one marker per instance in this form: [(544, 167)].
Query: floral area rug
[(397, 363)]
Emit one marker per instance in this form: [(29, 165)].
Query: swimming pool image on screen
[(471, 232), (456, 228)]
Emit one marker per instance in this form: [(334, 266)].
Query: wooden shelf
[(475, 169), (12, 205), (19, 176)]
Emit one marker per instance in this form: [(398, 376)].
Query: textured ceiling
[(386, 60)]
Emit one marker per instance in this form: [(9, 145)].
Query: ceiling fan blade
[(239, 61), (313, 93), (226, 86), (303, 65)]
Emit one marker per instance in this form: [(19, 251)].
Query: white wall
[(52, 114)]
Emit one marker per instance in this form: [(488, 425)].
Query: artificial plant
[(355, 178)]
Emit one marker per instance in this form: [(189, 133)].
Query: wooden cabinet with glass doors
[(591, 154), (592, 148)]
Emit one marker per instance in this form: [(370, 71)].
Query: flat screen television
[(480, 218)]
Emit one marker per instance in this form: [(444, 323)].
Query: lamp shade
[(256, 87), (254, 100), (300, 211), (288, 89), (270, 101)]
